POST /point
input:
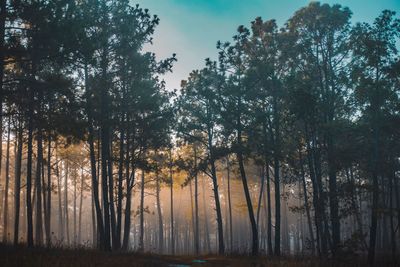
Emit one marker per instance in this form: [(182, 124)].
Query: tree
[(197, 123), (375, 53)]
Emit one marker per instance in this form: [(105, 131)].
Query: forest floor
[(23, 257)]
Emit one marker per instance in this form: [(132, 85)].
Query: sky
[(191, 28)]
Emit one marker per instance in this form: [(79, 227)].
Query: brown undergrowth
[(56, 257)]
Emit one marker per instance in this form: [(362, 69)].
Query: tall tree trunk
[(172, 204), (375, 197), (228, 172), (49, 186), (260, 195), (392, 227), (129, 181), (17, 184), (355, 207), (106, 178), (94, 173), (318, 202), (192, 210), (115, 244), (38, 181), (307, 207), (397, 194), (3, 18), (277, 207), (269, 216), (221, 245), (120, 182), (239, 155), (75, 211), (66, 214), (196, 206), (159, 213), (95, 235), (141, 231), (206, 232), (29, 172), (7, 183), (81, 207), (60, 209), (333, 200)]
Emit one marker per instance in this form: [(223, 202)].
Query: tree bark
[(94, 173), (307, 207), (66, 214), (141, 230), (38, 181), (159, 213), (48, 188), (120, 182), (60, 209), (29, 172), (17, 184), (228, 172), (172, 204), (269, 216), (221, 245), (7, 183), (196, 206), (80, 208)]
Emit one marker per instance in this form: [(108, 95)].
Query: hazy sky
[(191, 28)]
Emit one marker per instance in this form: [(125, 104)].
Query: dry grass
[(23, 257)]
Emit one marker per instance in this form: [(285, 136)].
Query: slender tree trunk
[(260, 196), (356, 208), (228, 172), (115, 244), (172, 204), (120, 182), (66, 214), (29, 172), (106, 171), (38, 181), (141, 236), (49, 186), (196, 206), (277, 207), (60, 209), (307, 207), (207, 232), (392, 227), (375, 198), (192, 210), (221, 245), (7, 183), (81, 207), (317, 201), (333, 200), (44, 194), (269, 216), (17, 184), (127, 222), (94, 173), (75, 211), (239, 155), (254, 246), (95, 235), (397, 194), (130, 179), (3, 18), (159, 213)]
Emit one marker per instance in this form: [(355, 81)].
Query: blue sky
[(191, 28)]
